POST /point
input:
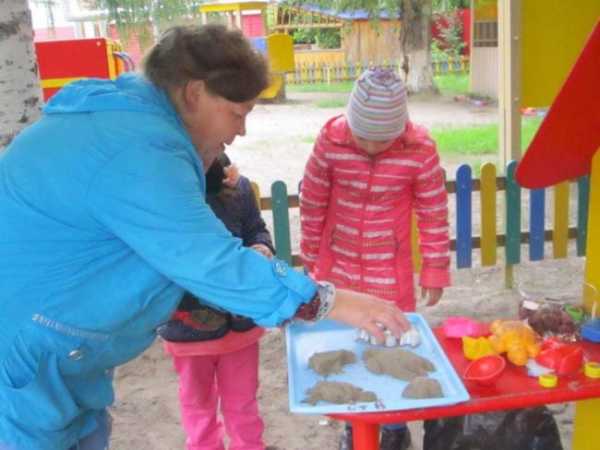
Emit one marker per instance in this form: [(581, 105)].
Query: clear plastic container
[(591, 300), (552, 310)]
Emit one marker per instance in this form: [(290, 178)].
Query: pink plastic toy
[(459, 326), (485, 371)]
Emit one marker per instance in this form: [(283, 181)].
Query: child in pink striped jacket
[(369, 171)]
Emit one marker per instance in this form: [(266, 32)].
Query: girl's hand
[(433, 295), (369, 313), (263, 250), (232, 175)]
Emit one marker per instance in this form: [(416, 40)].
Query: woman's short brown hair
[(221, 57)]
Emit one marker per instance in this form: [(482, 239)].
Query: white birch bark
[(20, 93)]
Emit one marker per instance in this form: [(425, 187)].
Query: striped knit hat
[(377, 106)]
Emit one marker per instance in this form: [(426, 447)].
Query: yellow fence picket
[(256, 192), (312, 71), (488, 214)]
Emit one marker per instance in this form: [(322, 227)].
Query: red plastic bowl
[(485, 371)]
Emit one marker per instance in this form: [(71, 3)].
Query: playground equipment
[(61, 62), (250, 17), (566, 146)]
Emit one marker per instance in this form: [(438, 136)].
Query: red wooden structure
[(61, 62)]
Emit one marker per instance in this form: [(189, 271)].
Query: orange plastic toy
[(516, 339)]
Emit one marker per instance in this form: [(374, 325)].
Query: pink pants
[(229, 380)]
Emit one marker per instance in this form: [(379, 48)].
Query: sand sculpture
[(423, 387), (339, 393), (397, 363), (328, 363)]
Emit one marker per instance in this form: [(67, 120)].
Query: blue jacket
[(102, 228)]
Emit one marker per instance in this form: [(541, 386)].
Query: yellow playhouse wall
[(365, 44), (319, 57), (553, 33), (592, 265)]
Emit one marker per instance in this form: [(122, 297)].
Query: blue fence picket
[(537, 199), (464, 231)]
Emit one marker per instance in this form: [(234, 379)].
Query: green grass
[(480, 139), (452, 84), (344, 87), (308, 139), (449, 84), (331, 103)]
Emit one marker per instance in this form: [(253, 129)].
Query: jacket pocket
[(44, 400), (44, 354)]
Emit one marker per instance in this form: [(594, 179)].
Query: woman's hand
[(369, 313), (433, 295)]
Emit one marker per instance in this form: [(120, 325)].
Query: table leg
[(585, 425), (365, 436)]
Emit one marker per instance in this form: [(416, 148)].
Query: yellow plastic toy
[(516, 339), (475, 348)]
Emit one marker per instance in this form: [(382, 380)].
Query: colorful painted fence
[(490, 186), (333, 73)]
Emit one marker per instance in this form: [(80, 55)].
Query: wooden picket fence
[(337, 72), (463, 244)]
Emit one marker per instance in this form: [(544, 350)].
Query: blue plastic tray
[(304, 339)]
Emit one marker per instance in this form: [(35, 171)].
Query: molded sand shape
[(397, 363), (423, 387), (327, 363), (338, 392)]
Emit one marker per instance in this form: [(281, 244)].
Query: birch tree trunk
[(415, 40), (20, 93)]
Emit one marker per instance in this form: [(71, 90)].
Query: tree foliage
[(415, 31), (146, 18), (449, 5), (324, 38)]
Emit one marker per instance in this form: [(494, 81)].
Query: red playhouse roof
[(569, 136)]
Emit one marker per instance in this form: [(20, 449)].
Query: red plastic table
[(513, 390)]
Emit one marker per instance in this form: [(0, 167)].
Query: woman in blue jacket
[(103, 228)]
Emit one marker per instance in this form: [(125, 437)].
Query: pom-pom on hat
[(377, 106)]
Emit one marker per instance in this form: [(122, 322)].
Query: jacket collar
[(337, 132)]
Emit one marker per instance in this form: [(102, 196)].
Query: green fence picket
[(281, 221), (583, 198)]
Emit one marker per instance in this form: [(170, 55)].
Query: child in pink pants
[(215, 353)]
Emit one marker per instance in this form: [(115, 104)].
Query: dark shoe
[(395, 439), (346, 438)]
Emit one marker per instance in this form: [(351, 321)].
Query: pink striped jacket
[(356, 214)]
